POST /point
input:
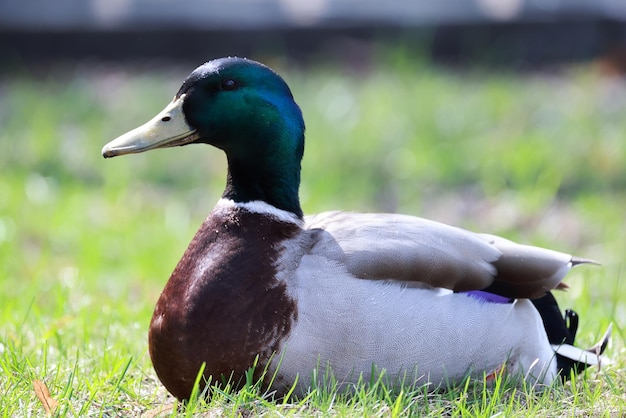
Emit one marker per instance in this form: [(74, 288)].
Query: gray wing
[(431, 254)]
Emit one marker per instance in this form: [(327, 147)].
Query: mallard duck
[(350, 294)]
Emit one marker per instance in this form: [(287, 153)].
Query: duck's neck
[(273, 183)]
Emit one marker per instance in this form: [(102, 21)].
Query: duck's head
[(243, 108)]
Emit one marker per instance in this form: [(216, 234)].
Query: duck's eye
[(229, 84)]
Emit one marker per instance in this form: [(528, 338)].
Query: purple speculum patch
[(488, 297)]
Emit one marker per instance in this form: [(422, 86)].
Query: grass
[(86, 245)]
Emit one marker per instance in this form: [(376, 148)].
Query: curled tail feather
[(561, 331)]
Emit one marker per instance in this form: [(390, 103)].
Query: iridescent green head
[(243, 108)]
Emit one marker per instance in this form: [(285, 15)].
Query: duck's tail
[(561, 331)]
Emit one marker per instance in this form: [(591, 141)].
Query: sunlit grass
[(86, 245)]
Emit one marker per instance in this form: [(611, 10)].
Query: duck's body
[(350, 294), (277, 287)]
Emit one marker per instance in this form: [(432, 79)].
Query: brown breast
[(223, 305)]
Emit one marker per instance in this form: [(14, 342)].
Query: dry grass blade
[(161, 411), (43, 394)]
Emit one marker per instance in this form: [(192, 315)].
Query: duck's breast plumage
[(223, 304)]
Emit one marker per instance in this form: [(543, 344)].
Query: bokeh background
[(506, 117)]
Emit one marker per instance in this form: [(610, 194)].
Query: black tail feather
[(562, 330)]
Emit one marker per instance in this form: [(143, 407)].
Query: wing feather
[(431, 254)]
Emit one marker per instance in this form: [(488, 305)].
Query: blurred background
[(513, 32), (480, 98), (500, 116)]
